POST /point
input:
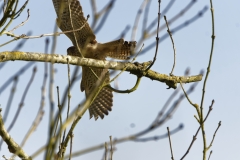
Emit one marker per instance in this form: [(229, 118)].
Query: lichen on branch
[(137, 69)]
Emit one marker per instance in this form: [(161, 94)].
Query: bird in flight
[(69, 18)]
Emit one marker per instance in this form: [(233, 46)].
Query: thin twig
[(106, 151), (219, 124), (35, 122), (73, 80), (150, 128), (137, 82), (164, 12), (17, 47), (134, 88), (21, 9), (28, 11), (60, 107), (186, 73), (157, 38), (195, 136), (139, 13), (210, 58), (94, 12), (71, 144), (40, 113), (69, 95), (210, 155), (124, 32), (176, 17), (17, 74), (104, 14), (49, 151), (69, 86), (10, 13), (147, 33), (195, 105), (209, 110), (191, 144), (205, 148), (145, 17), (59, 118), (170, 143), (22, 42), (23, 36), (174, 30), (10, 99), (77, 114), (40, 150), (111, 144), (5, 158), (173, 45), (158, 137), (22, 100)]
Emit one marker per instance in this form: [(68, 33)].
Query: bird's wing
[(102, 104), (118, 49), (73, 19)]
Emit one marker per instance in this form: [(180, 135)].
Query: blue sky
[(141, 107)]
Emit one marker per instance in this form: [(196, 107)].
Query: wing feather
[(118, 49), (78, 20)]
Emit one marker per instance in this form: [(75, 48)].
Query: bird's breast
[(92, 51)]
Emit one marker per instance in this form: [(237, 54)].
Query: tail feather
[(102, 104)]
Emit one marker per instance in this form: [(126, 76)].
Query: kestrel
[(70, 17)]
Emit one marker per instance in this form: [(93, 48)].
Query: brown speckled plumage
[(90, 48)]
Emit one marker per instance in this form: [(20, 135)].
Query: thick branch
[(133, 68)]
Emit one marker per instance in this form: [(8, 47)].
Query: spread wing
[(75, 14), (118, 49)]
